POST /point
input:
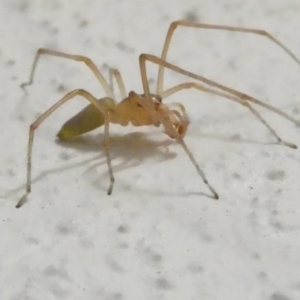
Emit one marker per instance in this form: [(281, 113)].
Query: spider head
[(152, 111), (179, 122), (176, 120)]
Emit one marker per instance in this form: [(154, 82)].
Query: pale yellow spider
[(146, 108)]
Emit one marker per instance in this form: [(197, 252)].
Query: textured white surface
[(157, 236)]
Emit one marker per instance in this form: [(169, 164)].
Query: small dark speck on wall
[(10, 62), (279, 296), (23, 6), (191, 16), (122, 229), (83, 23), (163, 284), (275, 175)]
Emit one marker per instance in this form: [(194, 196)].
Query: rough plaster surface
[(158, 236)]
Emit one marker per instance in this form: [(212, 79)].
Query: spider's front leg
[(146, 102), (79, 92), (227, 92)]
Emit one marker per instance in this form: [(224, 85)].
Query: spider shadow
[(131, 149), (136, 147)]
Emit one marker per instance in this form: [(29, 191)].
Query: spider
[(146, 108)]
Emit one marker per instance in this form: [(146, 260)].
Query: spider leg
[(80, 58), (106, 145), (185, 23), (154, 59), (200, 87), (167, 124), (169, 128), (79, 92), (199, 170), (115, 73), (240, 96)]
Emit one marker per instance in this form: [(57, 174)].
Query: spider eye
[(154, 97)]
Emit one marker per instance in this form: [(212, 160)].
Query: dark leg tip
[(22, 201)]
